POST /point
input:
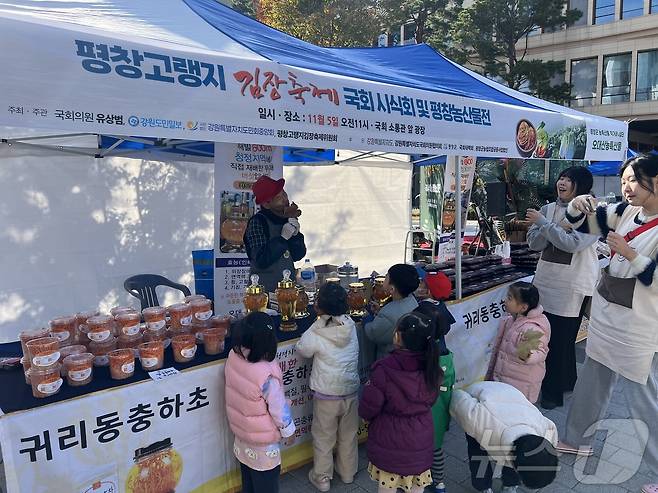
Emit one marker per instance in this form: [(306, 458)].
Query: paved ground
[(603, 473)]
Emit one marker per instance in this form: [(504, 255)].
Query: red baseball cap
[(265, 188), (439, 285)]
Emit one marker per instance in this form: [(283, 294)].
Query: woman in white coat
[(566, 275), (623, 331)]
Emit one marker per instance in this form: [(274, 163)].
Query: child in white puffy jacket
[(332, 343)]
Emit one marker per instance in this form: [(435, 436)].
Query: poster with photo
[(447, 237), (237, 167)]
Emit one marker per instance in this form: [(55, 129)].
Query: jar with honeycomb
[(286, 298), (301, 308), (356, 299), (255, 298)]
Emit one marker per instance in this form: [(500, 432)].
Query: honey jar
[(78, 369), (154, 317), (151, 355), (63, 328), (380, 294), (213, 340), (286, 297), (45, 381), (27, 335), (180, 315), (201, 309), (127, 323), (255, 298), (122, 363), (43, 352), (184, 347), (101, 328), (100, 350), (356, 299), (301, 307)]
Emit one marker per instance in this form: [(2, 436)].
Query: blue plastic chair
[(142, 287)]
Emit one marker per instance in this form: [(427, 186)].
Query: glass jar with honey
[(301, 308), (356, 299), (255, 298), (380, 294), (286, 297)]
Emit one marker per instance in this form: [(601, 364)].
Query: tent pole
[(458, 226)]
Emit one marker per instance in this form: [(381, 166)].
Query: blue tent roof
[(415, 66), (611, 168)]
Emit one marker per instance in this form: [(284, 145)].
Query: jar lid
[(348, 269), (356, 285), (178, 307), (255, 289), (152, 449), (286, 282)]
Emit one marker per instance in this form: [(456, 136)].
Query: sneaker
[(488, 490), (347, 480), (440, 488), (650, 488), (510, 489), (322, 484), (583, 450)]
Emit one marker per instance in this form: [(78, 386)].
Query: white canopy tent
[(174, 72)]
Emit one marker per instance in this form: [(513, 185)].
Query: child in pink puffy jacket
[(520, 349), (257, 410)]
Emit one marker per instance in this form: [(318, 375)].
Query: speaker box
[(496, 203)]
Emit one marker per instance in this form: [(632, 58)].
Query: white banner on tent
[(471, 339), (237, 167), (153, 436), (447, 237), (106, 84)]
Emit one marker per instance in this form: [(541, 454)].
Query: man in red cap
[(272, 238)]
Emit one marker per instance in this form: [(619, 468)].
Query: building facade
[(611, 60)]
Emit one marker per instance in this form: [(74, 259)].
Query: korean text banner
[(471, 338), (447, 250), (170, 435), (237, 167), (92, 81)]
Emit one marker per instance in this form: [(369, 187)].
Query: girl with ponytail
[(397, 402)]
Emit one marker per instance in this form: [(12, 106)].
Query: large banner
[(155, 436), (447, 238), (237, 167), (91, 81), (471, 339)]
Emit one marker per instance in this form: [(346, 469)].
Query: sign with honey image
[(158, 469)]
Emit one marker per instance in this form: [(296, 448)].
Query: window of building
[(647, 76), (583, 82), (616, 79), (632, 8), (604, 11), (582, 6), (653, 7)]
